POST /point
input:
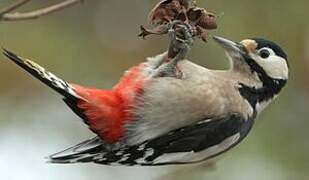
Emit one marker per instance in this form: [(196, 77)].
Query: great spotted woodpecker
[(150, 119)]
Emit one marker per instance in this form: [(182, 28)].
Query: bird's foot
[(181, 36)]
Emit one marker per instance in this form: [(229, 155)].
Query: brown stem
[(38, 13), (13, 6)]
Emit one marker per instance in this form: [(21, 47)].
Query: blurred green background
[(94, 43)]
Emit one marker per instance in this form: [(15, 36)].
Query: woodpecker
[(163, 120)]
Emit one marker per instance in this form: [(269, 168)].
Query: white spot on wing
[(205, 121), (142, 160), (141, 147), (124, 158), (149, 152), (119, 153)]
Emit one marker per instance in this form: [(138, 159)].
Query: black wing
[(191, 140)]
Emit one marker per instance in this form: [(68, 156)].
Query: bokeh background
[(93, 43)]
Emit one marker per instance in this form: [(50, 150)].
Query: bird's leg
[(181, 36), (155, 62), (181, 40)]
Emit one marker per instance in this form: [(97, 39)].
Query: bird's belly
[(167, 108)]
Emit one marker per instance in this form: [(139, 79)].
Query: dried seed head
[(165, 12), (194, 14), (208, 21), (187, 3), (202, 18)]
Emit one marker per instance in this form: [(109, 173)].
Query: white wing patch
[(142, 160)]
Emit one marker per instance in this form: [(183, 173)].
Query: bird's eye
[(264, 53)]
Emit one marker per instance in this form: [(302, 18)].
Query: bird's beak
[(233, 49)]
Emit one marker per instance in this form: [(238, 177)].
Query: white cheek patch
[(276, 67)]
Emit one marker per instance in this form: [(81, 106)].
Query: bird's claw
[(168, 69), (181, 35)]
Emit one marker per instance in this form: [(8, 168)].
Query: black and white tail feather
[(79, 152), (44, 76), (51, 80), (70, 98)]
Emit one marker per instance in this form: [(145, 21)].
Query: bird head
[(263, 63), (257, 57)]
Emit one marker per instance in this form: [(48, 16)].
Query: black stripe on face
[(257, 95), (270, 87)]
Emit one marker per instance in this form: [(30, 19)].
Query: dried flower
[(167, 12)]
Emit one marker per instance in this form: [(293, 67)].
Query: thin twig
[(13, 6), (38, 13)]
